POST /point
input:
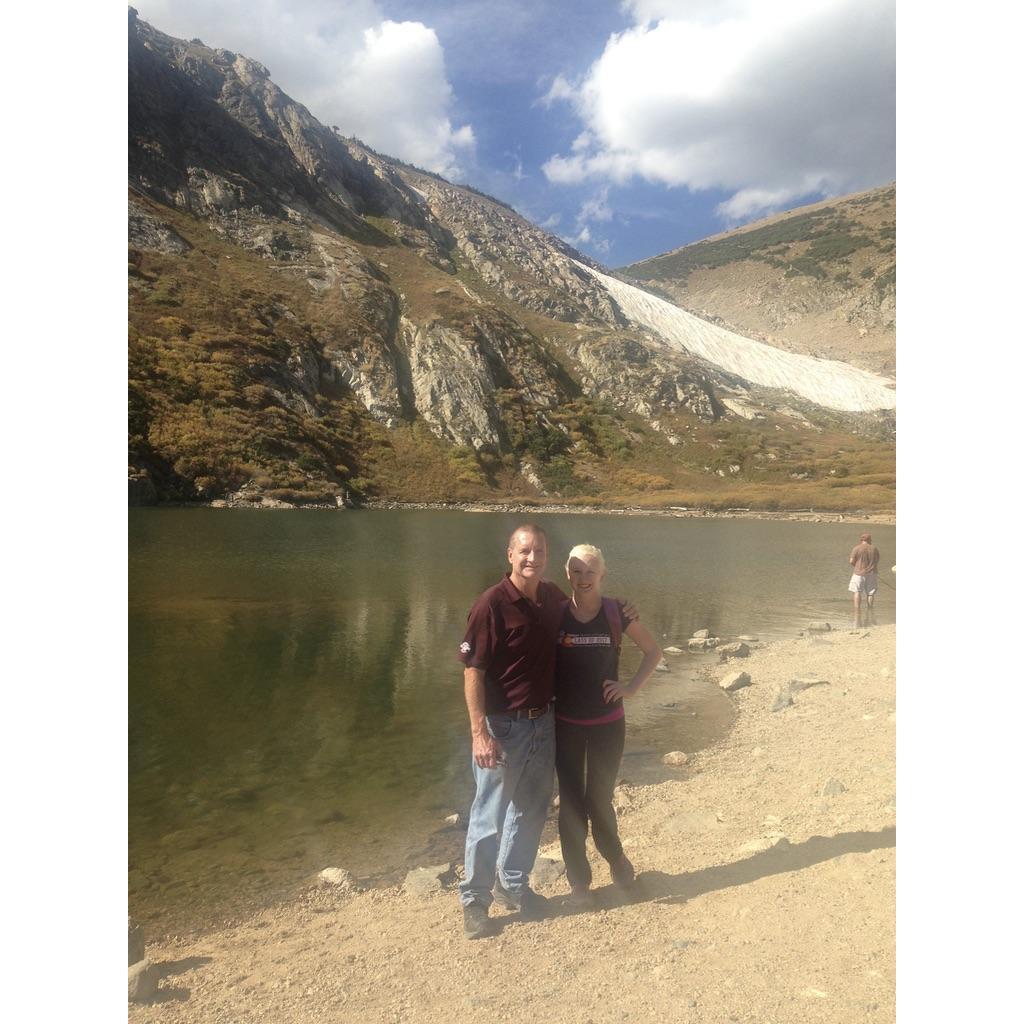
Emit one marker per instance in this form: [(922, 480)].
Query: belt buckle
[(535, 712)]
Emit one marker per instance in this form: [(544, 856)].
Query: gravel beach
[(766, 891)]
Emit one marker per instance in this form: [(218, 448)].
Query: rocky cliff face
[(309, 318)]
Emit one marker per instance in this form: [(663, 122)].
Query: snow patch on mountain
[(825, 382)]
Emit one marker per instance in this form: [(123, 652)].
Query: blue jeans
[(511, 803)]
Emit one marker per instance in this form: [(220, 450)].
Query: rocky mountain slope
[(309, 319), (819, 280)]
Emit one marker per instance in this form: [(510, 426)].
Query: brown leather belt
[(529, 712)]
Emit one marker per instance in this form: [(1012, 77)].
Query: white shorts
[(864, 584)]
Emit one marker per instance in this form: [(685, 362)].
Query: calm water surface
[(295, 699)]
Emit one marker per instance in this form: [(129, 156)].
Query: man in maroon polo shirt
[(509, 659)]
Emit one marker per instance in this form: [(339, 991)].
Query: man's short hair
[(866, 537), (537, 531)]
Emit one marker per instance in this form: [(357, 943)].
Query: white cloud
[(383, 81), (561, 89), (770, 100), (595, 208)]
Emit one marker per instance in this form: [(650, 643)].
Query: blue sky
[(627, 128)]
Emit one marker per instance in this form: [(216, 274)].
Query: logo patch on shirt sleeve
[(465, 647)]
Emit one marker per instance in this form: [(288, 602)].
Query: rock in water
[(672, 650), (734, 681), (697, 644), (675, 759), (702, 634), (143, 980), (819, 627)]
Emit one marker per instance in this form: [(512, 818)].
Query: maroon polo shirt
[(513, 640)]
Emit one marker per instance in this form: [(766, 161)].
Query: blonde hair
[(586, 551)]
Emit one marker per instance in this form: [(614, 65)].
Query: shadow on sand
[(658, 887)]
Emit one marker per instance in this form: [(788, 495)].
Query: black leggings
[(587, 758)]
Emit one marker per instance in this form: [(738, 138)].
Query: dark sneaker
[(475, 921), (531, 905), (623, 874)]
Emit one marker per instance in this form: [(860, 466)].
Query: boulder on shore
[(675, 759), (335, 878), (776, 841), (136, 943), (423, 882), (734, 681), (805, 683), (735, 650), (143, 981), (783, 698)]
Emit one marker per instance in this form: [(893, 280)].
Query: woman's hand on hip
[(614, 690)]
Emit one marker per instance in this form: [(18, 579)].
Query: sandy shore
[(766, 893)]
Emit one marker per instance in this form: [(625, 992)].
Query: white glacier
[(825, 382)]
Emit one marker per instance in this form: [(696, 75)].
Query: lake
[(295, 699)]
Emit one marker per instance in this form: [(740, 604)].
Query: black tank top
[(586, 657)]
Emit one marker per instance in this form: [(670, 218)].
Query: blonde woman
[(590, 722)]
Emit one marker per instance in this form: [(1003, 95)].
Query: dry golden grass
[(209, 340)]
